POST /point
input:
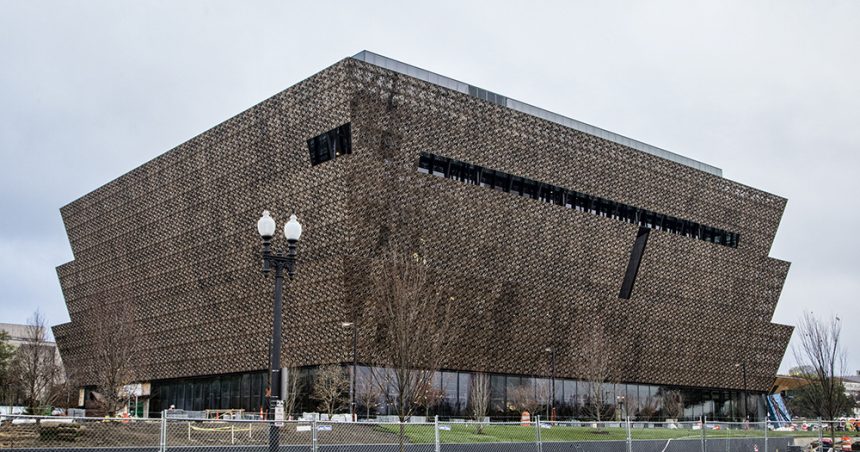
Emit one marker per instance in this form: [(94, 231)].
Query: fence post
[(314, 439), (704, 440), (629, 436), (436, 433), (820, 436), (162, 446), (765, 435), (537, 433)]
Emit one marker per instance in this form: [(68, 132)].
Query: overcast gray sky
[(767, 91)]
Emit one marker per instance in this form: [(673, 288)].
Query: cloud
[(28, 280), (766, 91)]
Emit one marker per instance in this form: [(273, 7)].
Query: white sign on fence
[(279, 413)]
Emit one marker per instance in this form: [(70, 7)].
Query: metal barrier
[(33, 433)]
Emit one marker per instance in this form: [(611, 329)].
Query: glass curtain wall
[(509, 396), (512, 394)]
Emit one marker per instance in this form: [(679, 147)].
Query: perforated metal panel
[(176, 239)]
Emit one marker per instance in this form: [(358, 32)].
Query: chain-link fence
[(32, 433)]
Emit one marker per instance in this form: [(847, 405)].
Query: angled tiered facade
[(543, 226)]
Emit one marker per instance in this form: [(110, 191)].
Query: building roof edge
[(465, 88)]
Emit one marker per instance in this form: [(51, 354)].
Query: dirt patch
[(139, 433)]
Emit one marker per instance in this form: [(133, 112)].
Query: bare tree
[(367, 392), (479, 399), (543, 390), (331, 384), (597, 371), (821, 354), (293, 390), (523, 399), (413, 318), (412, 329), (113, 351), (428, 396), (631, 405), (64, 394), (7, 354), (648, 409), (673, 404), (35, 365)]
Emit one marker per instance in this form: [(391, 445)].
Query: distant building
[(852, 388), (787, 385), (542, 228), (18, 335)]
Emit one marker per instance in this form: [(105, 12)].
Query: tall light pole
[(292, 232), (352, 375), (619, 402), (551, 351), (743, 366)]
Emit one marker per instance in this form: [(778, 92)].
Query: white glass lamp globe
[(266, 225), (292, 230)]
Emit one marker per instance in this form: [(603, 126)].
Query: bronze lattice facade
[(175, 239)]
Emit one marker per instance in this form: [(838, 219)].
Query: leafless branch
[(479, 399), (597, 350), (367, 392), (293, 390), (36, 367), (113, 351), (330, 386), (412, 329), (821, 356)]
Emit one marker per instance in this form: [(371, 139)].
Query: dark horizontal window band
[(468, 173)]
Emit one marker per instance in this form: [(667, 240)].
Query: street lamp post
[(280, 262), (551, 351), (354, 366)]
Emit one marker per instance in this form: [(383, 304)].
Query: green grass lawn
[(465, 433)]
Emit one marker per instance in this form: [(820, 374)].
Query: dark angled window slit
[(633, 265)]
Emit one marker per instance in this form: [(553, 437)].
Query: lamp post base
[(277, 408)]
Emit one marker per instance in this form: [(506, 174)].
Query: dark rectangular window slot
[(530, 188), (468, 173), (517, 185), (633, 265), (454, 170), (488, 178), (329, 145), (425, 162), (439, 167), (503, 181)]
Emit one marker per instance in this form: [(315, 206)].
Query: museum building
[(548, 232)]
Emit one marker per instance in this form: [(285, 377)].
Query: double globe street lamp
[(279, 261)]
